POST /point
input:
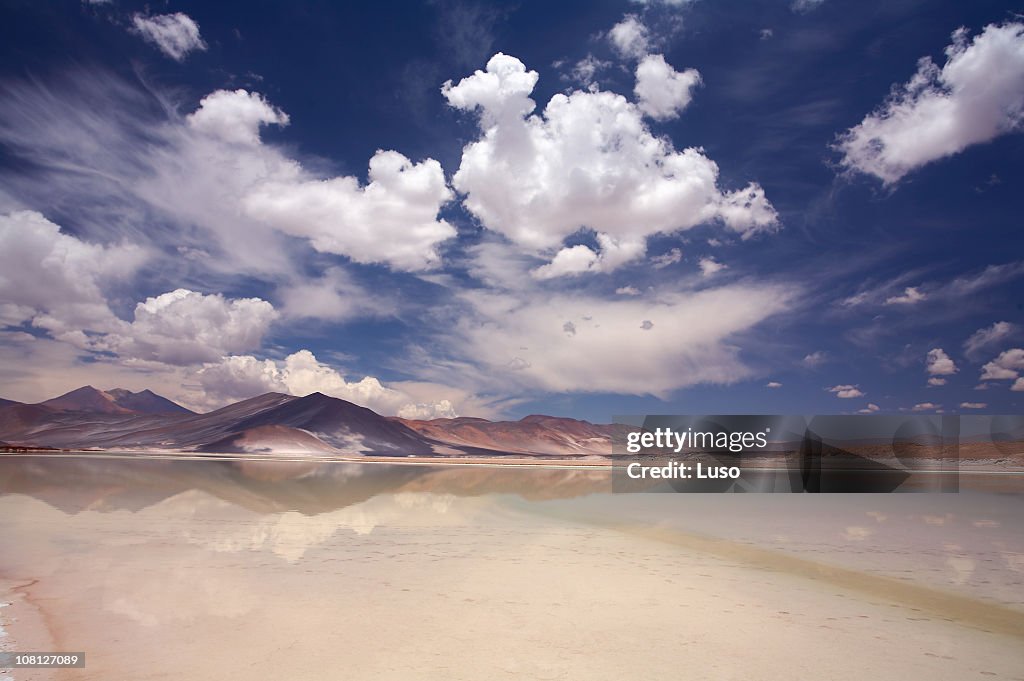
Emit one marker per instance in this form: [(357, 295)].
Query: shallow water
[(225, 570)]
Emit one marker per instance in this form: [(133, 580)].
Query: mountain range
[(276, 423)]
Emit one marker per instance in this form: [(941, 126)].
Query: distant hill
[(316, 424), (117, 401), (146, 402)]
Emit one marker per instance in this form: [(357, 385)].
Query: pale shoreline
[(993, 466)]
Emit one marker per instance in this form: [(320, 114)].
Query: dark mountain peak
[(146, 402), (116, 401), (86, 398)]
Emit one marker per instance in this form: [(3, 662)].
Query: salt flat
[(204, 570)]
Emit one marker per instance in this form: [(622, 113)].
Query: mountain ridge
[(316, 424)]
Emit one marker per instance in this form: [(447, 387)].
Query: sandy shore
[(417, 584)]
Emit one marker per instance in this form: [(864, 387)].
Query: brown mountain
[(535, 434), (316, 424), (116, 401)]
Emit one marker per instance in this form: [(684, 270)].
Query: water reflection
[(203, 568)]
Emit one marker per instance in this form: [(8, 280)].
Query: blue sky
[(582, 209)]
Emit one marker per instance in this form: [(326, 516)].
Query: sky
[(584, 209)]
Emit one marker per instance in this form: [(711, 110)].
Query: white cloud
[(773, 384), (973, 405), (175, 34), (587, 162), (661, 91), (524, 343), (301, 373), (393, 219), (910, 296), (709, 266), (870, 409), (572, 260), (988, 337), (1006, 366), (977, 95), (183, 327), (585, 70), (667, 258), (846, 392), (814, 359), (627, 291), (630, 37), (235, 116), (938, 363), (334, 297), (958, 288), (925, 406), (935, 382), (1018, 385), (56, 281), (803, 6)]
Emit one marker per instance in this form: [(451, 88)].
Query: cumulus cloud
[(1007, 366), (938, 363), (207, 183), (909, 296), (973, 405), (301, 373), (662, 92), (872, 408), (630, 37), (627, 291), (935, 382), (977, 95), (56, 281), (926, 406), (393, 219), (773, 384), (846, 392), (174, 34), (390, 220), (709, 266), (589, 162), (989, 337), (571, 260), (235, 116), (185, 327), (814, 359)]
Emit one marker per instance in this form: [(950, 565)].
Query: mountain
[(146, 402), (343, 425), (117, 401), (86, 398), (535, 434), (275, 423)]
